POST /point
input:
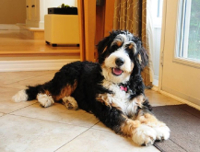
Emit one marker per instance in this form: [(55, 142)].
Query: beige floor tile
[(20, 134), (157, 99), (100, 141), (59, 113), (6, 104), (11, 77)]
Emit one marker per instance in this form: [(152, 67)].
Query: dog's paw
[(20, 96), (144, 135), (70, 103), (45, 100), (162, 132)]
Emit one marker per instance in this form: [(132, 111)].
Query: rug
[(184, 123)]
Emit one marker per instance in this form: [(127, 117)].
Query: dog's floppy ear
[(142, 55), (102, 45)]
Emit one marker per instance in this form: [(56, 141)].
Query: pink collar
[(123, 88)]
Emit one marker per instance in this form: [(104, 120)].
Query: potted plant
[(63, 9)]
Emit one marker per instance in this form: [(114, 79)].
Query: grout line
[(50, 120), (76, 137), (22, 107), (60, 122)]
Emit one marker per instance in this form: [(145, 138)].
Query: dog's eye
[(131, 47), (128, 48), (115, 47)]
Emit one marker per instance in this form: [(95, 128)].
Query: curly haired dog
[(112, 89)]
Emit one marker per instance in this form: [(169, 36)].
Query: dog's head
[(121, 55)]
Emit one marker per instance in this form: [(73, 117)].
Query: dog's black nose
[(119, 61)]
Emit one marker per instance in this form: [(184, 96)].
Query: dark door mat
[(184, 123)]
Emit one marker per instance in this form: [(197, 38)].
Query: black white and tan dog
[(112, 89)]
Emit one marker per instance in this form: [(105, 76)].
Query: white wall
[(56, 3)]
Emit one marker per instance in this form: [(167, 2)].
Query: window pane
[(194, 31)]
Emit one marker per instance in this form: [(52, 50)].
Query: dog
[(112, 89)]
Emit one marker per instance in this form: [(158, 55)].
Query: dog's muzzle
[(117, 71)]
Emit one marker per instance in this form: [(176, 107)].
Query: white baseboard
[(180, 99), (33, 65)]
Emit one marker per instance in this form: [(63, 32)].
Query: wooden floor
[(14, 43)]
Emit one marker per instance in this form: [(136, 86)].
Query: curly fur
[(111, 89)]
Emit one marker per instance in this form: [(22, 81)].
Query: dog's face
[(121, 54)]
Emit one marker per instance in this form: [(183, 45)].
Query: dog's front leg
[(113, 118), (140, 133), (147, 118)]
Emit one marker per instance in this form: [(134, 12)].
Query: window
[(159, 8), (156, 7), (188, 36)]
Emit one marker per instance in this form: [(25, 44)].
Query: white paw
[(70, 103), (20, 96), (162, 132), (45, 100), (144, 135)]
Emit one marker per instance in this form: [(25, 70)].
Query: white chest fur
[(120, 99)]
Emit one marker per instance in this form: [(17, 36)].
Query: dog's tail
[(27, 94)]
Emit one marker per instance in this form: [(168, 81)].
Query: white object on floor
[(61, 29)]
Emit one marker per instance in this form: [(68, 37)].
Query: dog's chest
[(119, 99)]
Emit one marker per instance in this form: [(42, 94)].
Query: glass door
[(180, 49)]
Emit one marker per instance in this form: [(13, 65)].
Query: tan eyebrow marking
[(119, 40), (130, 46), (133, 47), (119, 43)]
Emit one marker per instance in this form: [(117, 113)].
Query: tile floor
[(27, 127)]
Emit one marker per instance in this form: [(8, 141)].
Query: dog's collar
[(123, 87)]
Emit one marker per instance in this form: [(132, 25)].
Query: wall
[(12, 11), (56, 3)]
